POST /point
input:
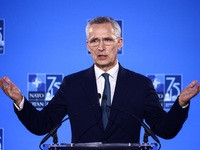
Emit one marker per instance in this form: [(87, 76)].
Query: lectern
[(101, 146)]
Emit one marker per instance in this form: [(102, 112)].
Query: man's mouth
[(102, 56)]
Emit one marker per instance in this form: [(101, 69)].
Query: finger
[(191, 85), (6, 88), (1, 82), (7, 80), (198, 87), (196, 90), (11, 85)]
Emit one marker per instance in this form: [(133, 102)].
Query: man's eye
[(108, 39), (94, 41)]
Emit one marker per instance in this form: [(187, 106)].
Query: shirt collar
[(112, 72)]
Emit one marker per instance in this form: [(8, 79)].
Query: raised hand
[(11, 90), (189, 92)]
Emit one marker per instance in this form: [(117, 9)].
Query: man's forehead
[(104, 29)]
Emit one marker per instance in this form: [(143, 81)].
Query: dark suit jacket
[(134, 93)]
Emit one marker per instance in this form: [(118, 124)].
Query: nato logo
[(168, 88), (120, 22), (42, 88), (1, 36), (1, 139)]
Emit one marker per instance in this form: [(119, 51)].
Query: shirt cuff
[(185, 106), (21, 105)]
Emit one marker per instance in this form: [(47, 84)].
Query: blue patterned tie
[(106, 99)]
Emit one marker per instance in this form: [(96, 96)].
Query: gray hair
[(100, 20)]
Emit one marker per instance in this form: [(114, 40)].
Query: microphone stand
[(53, 131), (147, 129), (55, 138), (145, 137)]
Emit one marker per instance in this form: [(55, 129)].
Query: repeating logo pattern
[(1, 139), (168, 88), (2, 37), (42, 88)]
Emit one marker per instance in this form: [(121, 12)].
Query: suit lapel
[(89, 84), (90, 88)]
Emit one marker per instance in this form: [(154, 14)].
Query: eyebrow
[(102, 38)]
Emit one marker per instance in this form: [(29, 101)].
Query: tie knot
[(106, 76)]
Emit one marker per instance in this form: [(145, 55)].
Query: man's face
[(104, 54)]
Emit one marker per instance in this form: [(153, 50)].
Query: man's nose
[(101, 45)]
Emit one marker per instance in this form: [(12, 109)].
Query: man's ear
[(120, 43), (88, 46)]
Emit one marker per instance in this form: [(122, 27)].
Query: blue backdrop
[(160, 37)]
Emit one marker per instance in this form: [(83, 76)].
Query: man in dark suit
[(128, 92)]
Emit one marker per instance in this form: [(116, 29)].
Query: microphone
[(147, 129), (53, 131)]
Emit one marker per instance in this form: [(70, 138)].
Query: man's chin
[(104, 66)]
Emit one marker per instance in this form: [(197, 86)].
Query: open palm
[(11, 90), (189, 92)]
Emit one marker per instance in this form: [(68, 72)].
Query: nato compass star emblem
[(156, 83), (36, 82)]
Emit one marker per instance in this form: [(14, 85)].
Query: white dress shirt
[(101, 81)]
